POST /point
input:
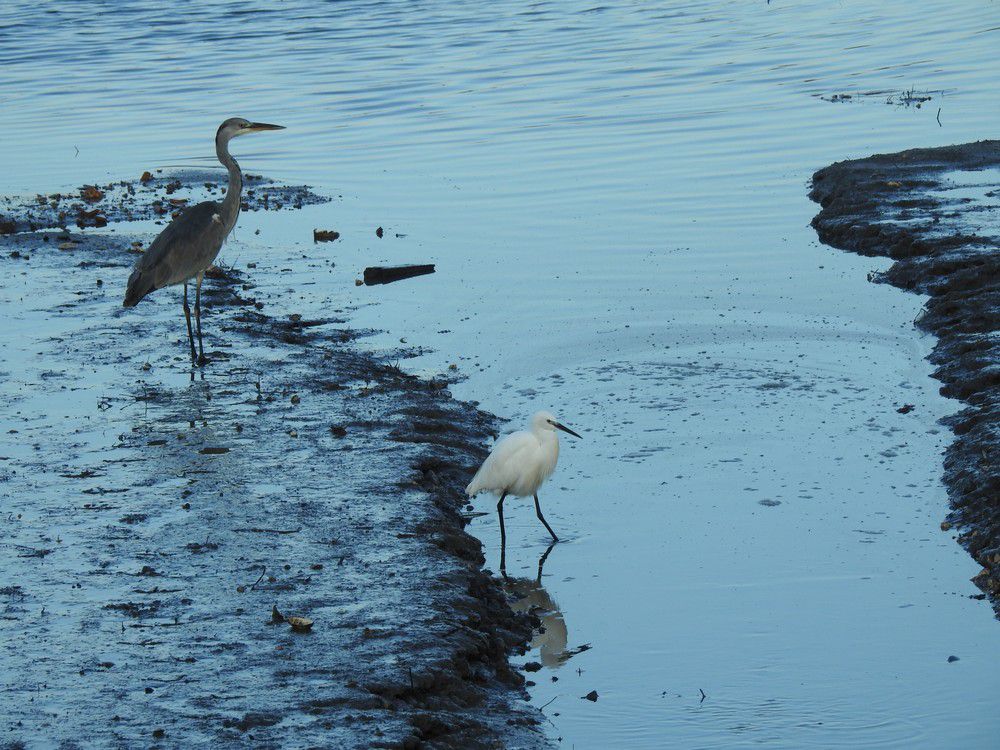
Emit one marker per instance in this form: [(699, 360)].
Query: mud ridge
[(176, 508), (936, 213)]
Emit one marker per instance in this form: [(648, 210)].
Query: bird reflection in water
[(528, 595)]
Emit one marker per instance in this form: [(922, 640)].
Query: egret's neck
[(546, 436), (231, 204)]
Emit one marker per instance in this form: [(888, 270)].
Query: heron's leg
[(503, 536), (538, 510), (197, 318), (187, 317)]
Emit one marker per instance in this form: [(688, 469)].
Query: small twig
[(263, 569), (939, 117), (255, 530), (703, 696), (543, 706)]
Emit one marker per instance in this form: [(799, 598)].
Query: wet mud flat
[(160, 524), (936, 213)]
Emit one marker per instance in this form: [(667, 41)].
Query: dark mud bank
[(154, 515), (936, 213)]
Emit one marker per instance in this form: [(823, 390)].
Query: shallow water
[(616, 201)]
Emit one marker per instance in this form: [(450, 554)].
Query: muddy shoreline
[(934, 212), (155, 515)]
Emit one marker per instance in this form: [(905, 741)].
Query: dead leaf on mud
[(213, 451), (300, 624)]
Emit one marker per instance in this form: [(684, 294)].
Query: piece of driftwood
[(388, 274), (325, 235)]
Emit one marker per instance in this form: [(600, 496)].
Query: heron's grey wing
[(185, 247)]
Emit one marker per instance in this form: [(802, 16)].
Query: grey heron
[(189, 244)]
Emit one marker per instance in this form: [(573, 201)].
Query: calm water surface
[(615, 196)]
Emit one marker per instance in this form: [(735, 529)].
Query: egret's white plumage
[(520, 463)]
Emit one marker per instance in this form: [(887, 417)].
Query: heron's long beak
[(564, 428), (255, 127)]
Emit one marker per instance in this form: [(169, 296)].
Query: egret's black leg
[(538, 510), (503, 537), (541, 562), (197, 318), (187, 317)]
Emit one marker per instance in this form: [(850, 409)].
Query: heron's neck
[(231, 204)]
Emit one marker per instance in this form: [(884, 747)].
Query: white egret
[(519, 464)]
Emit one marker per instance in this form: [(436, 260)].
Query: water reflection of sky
[(616, 203)]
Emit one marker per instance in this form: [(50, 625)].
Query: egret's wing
[(187, 245), (500, 470)]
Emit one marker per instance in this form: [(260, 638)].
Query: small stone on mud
[(146, 177), (591, 696), (146, 367), (769, 503), (91, 193), (337, 431), (158, 733), (952, 658), (945, 526), (532, 666), (295, 398), (905, 408), (379, 232)]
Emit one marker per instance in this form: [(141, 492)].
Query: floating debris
[(905, 98), (325, 235), (388, 274)]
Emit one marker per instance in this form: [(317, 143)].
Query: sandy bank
[(154, 516)]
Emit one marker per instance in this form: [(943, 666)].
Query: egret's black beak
[(564, 428), (255, 127)]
